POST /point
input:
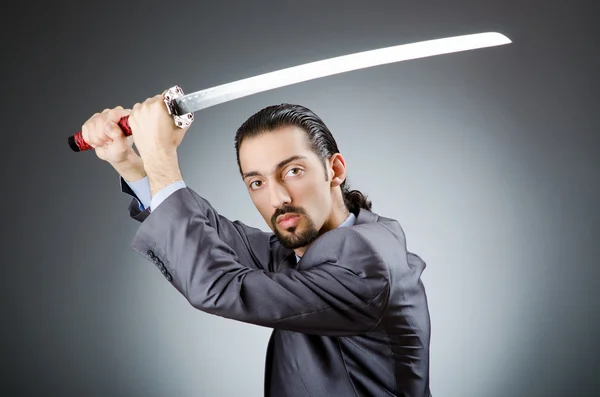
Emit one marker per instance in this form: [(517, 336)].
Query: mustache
[(285, 210)]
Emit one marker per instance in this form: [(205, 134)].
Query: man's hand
[(111, 145), (154, 132), (157, 138)]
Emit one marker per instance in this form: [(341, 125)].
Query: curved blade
[(345, 63)]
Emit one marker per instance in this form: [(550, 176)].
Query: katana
[(182, 107)]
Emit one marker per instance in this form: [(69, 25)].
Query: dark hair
[(322, 142)]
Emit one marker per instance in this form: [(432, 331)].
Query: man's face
[(287, 183)]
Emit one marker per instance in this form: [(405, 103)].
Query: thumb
[(113, 130)]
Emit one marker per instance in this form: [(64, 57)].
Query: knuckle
[(117, 111)]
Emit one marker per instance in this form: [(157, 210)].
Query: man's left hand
[(154, 132), (157, 138)]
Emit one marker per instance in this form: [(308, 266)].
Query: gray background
[(489, 159)]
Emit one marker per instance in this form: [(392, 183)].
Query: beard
[(291, 239)]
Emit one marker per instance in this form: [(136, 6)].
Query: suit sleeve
[(252, 244), (339, 291)]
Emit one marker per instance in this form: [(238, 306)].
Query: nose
[(279, 195)]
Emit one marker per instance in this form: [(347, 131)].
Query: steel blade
[(227, 92)]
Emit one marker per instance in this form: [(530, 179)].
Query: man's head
[(292, 167)]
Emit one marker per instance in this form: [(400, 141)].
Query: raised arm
[(340, 287), (228, 269)]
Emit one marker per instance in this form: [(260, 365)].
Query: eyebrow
[(279, 166)]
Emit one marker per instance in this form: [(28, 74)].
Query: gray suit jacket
[(349, 319)]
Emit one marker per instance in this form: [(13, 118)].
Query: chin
[(289, 230), (296, 238)]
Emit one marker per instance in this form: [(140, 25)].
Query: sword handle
[(78, 144)]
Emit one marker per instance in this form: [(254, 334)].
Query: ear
[(337, 170)]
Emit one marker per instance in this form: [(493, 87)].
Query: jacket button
[(168, 276), (150, 253)]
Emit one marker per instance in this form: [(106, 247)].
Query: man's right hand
[(104, 135), (111, 145)]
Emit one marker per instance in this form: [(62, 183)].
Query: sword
[(181, 107)]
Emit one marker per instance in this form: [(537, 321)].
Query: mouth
[(288, 220)]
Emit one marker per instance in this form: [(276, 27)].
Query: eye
[(294, 171), (253, 184)]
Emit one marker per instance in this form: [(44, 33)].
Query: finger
[(89, 136), (138, 111), (94, 133), (115, 108), (117, 113), (113, 130), (100, 140), (119, 145)]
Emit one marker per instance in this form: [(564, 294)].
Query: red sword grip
[(78, 144)]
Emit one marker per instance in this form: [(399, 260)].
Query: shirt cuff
[(164, 193), (141, 189)]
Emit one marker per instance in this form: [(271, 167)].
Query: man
[(334, 280)]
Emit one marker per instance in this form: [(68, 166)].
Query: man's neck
[(335, 220)]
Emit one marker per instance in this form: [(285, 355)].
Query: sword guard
[(183, 120)]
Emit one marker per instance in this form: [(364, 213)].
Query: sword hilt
[(78, 144)]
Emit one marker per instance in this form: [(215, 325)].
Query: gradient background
[(489, 160)]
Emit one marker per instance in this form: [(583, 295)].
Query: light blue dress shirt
[(141, 189)]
